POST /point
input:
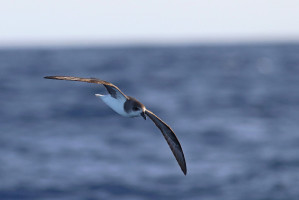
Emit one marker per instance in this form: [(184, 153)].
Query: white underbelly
[(115, 104)]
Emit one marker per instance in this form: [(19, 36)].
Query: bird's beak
[(143, 115)]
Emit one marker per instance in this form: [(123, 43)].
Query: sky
[(89, 22)]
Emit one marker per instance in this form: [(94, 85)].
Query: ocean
[(234, 108)]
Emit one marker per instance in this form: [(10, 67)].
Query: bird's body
[(130, 107), (115, 104)]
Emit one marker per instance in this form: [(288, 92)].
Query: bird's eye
[(135, 108)]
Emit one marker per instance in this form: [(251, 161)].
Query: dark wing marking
[(112, 89), (171, 139)]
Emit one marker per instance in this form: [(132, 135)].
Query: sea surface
[(234, 108)]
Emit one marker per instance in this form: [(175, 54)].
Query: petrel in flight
[(130, 107)]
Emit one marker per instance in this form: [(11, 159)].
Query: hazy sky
[(125, 21)]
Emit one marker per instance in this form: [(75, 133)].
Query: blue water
[(235, 110)]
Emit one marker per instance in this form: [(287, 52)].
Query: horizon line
[(139, 42)]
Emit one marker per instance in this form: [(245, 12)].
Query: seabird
[(130, 107)]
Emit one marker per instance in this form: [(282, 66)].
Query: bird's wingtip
[(185, 173), (184, 170)]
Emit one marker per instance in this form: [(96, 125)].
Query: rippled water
[(234, 109)]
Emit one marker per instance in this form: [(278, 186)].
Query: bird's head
[(135, 108)]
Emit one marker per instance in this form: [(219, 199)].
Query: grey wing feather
[(171, 139), (112, 89)]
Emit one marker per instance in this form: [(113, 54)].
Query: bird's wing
[(114, 91), (171, 139)]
